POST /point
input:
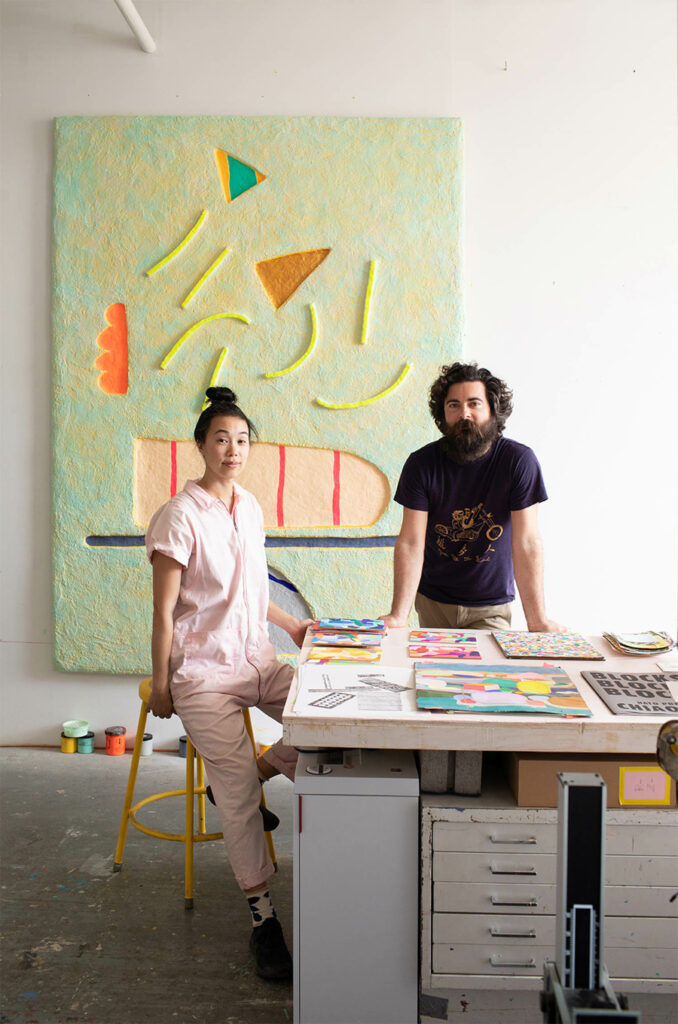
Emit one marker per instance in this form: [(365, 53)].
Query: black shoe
[(269, 950), (271, 820)]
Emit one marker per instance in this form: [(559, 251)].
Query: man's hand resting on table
[(547, 626)]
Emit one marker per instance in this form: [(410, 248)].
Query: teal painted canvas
[(313, 265)]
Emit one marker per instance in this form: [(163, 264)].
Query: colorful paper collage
[(442, 636), (322, 655), (442, 651), (572, 646), (498, 688), (364, 625), (442, 643), (343, 638)]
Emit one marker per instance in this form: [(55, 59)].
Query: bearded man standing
[(470, 505)]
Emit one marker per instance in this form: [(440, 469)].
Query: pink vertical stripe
[(173, 468), (281, 485), (336, 493)]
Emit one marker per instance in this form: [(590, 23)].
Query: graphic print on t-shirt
[(470, 537)]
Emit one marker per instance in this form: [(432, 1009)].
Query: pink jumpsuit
[(222, 659)]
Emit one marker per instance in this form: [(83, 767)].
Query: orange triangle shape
[(282, 275)]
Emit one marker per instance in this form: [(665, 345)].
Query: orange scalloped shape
[(114, 360)]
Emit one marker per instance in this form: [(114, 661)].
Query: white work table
[(474, 922), (389, 719)]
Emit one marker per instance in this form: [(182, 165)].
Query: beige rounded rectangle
[(260, 476), (320, 487)]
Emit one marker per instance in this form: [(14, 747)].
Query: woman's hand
[(160, 703), (298, 631), (295, 628)]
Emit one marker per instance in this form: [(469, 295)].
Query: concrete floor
[(80, 943)]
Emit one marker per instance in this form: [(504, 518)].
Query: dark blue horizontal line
[(330, 542), (98, 541), (95, 541)]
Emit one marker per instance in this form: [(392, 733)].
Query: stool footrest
[(194, 764)]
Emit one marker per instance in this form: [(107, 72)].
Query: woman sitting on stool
[(211, 653)]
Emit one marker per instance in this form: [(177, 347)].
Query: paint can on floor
[(147, 744), (182, 746), (115, 740), (69, 744), (76, 727), (86, 743)]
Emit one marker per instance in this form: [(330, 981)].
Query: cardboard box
[(635, 780)]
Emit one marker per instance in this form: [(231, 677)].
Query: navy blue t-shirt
[(467, 556)]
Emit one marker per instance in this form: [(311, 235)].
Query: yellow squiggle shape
[(213, 378), (175, 252), (200, 282), (367, 401), (368, 299), (314, 334), (191, 330)]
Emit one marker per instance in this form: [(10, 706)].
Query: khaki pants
[(215, 726), (436, 615)]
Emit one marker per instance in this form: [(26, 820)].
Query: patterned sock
[(260, 904)]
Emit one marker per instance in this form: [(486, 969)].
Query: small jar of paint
[(147, 744), (69, 744), (75, 727), (86, 743), (182, 746), (115, 740)]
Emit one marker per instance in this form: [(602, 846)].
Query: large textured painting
[(312, 265)]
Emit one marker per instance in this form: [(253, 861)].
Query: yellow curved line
[(368, 299), (170, 256), (191, 330), (201, 280), (367, 401), (215, 375), (314, 334)]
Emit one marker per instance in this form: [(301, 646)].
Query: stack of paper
[(517, 644), (451, 686), (346, 640), (640, 643), (442, 643)]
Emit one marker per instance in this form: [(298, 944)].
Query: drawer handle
[(530, 901), (522, 841), (527, 870), (498, 933), (496, 961)]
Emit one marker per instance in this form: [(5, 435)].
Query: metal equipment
[(577, 987)]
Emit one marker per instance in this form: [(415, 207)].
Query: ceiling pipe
[(133, 19)]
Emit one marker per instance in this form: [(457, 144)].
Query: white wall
[(570, 115)]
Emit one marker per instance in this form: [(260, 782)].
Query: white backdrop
[(570, 268)]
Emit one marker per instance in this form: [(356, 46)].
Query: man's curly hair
[(499, 395)]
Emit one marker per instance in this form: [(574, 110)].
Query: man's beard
[(466, 441)]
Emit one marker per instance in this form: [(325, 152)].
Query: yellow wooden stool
[(195, 787)]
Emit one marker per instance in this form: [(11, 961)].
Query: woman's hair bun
[(221, 395)]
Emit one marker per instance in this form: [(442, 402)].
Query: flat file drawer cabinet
[(489, 894)]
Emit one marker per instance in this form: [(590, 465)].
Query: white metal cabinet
[(488, 894), (356, 906)]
